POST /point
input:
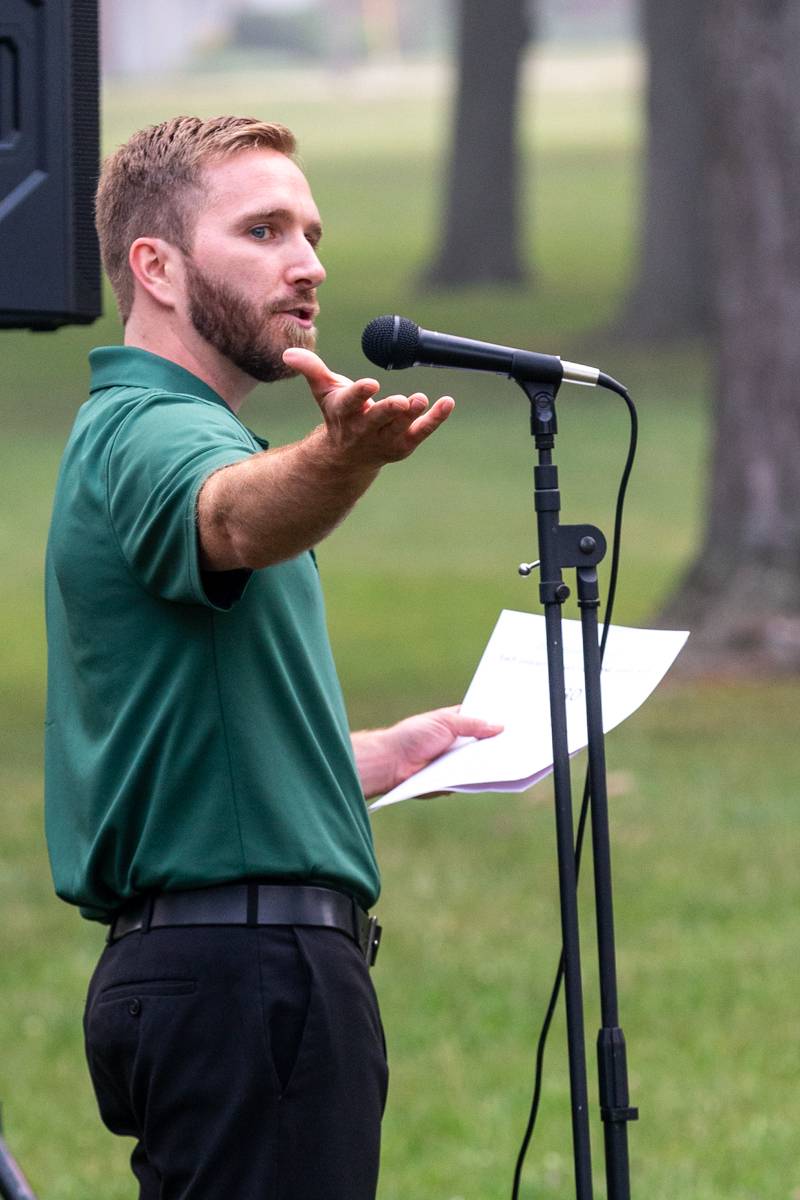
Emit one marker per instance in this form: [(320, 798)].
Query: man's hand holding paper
[(510, 688)]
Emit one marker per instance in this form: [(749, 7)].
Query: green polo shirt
[(195, 730)]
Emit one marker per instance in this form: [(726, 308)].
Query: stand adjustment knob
[(554, 591), (526, 568)]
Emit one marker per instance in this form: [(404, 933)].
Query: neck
[(194, 354)]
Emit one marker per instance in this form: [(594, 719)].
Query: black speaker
[(49, 159)]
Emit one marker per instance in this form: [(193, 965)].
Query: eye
[(261, 232)]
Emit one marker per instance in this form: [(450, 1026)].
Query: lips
[(303, 314)]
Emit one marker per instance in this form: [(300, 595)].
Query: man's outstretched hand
[(363, 431), (274, 505), (385, 757)]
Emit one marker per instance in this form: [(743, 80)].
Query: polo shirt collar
[(129, 366)]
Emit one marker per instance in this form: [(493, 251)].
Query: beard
[(252, 336)]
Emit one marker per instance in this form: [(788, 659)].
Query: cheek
[(228, 260), (254, 272)]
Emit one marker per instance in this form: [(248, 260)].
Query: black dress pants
[(248, 1063)]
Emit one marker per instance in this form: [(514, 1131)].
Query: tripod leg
[(615, 1110), (573, 990), (612, 1061)]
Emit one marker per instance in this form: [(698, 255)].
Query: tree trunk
[(669, 297), (480, 239), (742, 596)]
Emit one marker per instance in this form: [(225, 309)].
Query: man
[(204, 797)]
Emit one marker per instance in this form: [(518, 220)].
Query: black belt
[(252, 903)]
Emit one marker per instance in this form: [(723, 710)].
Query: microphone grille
[(391, 342)]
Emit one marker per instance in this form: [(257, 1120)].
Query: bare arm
[(276, 504), (385, 757)]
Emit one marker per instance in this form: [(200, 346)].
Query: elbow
[(221, 544), (235, 534), (226, 546)]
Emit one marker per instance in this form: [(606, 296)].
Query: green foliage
[(703, 780)]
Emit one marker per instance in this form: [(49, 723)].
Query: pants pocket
[(285, 1001), (112, 1027), (146, 987)]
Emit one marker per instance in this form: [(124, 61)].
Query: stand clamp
[(576, 546), (619, 1114)]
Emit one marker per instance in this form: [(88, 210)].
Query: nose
[(305, 268)]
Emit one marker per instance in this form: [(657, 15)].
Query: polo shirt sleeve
[(161, 455)]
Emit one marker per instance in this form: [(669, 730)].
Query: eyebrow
[(278, 214)]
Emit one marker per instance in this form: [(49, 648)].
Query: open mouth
[(303, 315)]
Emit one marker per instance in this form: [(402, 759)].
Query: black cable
[(616, 543)]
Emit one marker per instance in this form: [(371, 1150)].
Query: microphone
[(395, 343)]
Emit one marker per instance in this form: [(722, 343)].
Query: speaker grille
[(85, 141)]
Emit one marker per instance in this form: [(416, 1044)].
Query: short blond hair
[(149, 186)]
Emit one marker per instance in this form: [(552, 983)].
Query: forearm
[(276, 504), (376, 765)]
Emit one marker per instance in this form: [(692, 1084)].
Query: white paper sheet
[(510, 688)]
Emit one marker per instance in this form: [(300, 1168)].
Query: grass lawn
[(703, 780)]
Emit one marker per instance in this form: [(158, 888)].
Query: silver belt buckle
[(372, 940)]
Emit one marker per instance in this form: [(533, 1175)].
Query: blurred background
[(615, 181)]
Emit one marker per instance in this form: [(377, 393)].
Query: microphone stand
[(581, 547)]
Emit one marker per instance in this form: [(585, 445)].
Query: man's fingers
[(412, 412), (402, 421), (475, 727), (313, 368), (384, 412), (463, 726), (353, 397), (425, 425), (323, 381)]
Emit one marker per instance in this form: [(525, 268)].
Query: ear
[(155, 266)]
